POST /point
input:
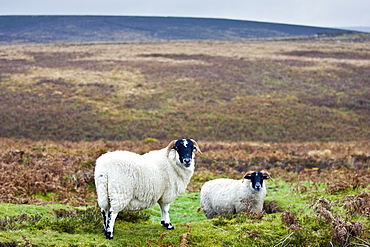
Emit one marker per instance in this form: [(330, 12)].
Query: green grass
[(12, 210), (60, 225), (184, 209)]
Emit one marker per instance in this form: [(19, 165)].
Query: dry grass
[(234, 91), (48, 172)]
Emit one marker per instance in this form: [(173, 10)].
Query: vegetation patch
[(317, 195), (250, 106), (358, 54), (224, 91)]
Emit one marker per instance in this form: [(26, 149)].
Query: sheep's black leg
[(107, 232), (112, 215), (104, 219)]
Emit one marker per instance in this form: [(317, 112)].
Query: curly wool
[(129, 181), (126, 181), (225, 195)]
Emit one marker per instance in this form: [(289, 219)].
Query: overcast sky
[(323, 13)]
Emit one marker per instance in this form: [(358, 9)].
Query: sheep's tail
[(101, 183)]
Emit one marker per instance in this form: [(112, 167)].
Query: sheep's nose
[(258, 186), (187, 161)]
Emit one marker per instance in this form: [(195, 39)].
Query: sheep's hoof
[(169, 226), (108, 235)]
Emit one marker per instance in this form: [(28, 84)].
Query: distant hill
[(360, 29), (66, 29)]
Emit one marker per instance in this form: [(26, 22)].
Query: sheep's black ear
[(248, 177), (265, 177)]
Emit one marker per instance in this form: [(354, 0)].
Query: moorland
[(82, 29), (298, 109)]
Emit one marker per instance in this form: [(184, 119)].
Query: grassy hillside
[(68, 29), (231, 91), (297, 109), (318, 196)]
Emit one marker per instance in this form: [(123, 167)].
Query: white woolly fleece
[(129, 181), (224, 196)]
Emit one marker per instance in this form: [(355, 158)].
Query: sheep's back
[(132, 179), (222, 194), (121, 163)]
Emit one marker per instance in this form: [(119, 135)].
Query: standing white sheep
[(127, 181), (229, 196)]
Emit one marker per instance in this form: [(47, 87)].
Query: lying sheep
[(229, 196), (127, 181)]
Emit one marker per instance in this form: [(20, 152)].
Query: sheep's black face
[(185, 148), (256, 179)]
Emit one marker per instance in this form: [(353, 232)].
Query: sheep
[(127, 181), (229, 196)]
